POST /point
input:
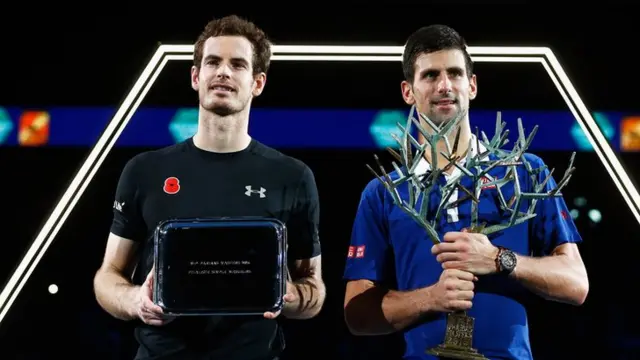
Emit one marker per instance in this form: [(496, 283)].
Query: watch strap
[(497, 259)]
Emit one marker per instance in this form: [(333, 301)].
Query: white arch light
[(166, 53)]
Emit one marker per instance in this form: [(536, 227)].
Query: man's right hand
[(146, 310), (454, 291)]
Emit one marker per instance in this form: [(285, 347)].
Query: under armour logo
[(118, 205), (251, 191)]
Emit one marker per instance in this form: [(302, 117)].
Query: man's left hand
[(290, 298), (466, 251)]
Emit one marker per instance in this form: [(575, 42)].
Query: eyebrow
[(451, 69), (235, 59)]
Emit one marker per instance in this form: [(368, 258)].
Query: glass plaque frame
[(220, 266)]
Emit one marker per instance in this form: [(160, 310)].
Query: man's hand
[(145, 309), (289, 298), (466, 251), (454, 291)]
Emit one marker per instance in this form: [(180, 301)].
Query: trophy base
[(458, 339), (453, 352)]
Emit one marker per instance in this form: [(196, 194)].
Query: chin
[(442, 119), (220, 108), (223, 110), (438, 119)]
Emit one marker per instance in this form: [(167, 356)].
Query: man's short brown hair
[(233, 25)]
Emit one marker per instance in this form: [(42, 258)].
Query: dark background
[(91, 59)]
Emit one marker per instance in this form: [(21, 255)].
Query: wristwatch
[(506, 260)]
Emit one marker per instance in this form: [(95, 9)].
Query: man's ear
[(195, 81), (407, 92), (473, 87), (260, 81)]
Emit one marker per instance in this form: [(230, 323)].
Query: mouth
[(444, 102), (222, 88)]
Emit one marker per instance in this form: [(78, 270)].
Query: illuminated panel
[(166, 53)]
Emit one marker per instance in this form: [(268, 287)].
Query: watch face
[(508, 260)]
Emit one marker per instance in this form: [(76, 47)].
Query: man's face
[(441, 87), (225, 82)]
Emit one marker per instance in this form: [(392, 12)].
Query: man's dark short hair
[(233, 25), (430, 39)]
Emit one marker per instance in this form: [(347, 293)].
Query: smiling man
[(397, 281), (220, 172)]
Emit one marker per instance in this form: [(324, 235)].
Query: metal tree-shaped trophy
[(459, 331)]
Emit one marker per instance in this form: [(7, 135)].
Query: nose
[(444, 84), (224, 70)]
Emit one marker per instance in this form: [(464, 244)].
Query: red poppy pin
[(171, 185)]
